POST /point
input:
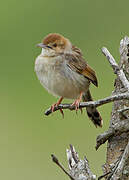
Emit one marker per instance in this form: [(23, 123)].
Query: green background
[(27, 136)]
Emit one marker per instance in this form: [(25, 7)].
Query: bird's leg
[(77, 102), (61, 111), (56, 104)]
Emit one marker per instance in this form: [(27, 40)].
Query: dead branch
[(116, 68), (56, 161), (97, 103), (78, 169), (117, 159), (117, 129), (119, 170)]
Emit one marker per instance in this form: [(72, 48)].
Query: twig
[(119, 170), (91, 103), (116, 68), (123, 110), (74, 154), (55, 160), (117, 129), (79, 169), (114, 168), (104, 175), (123, 115), (102, 138)]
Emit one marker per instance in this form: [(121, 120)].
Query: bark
[(116, 146)]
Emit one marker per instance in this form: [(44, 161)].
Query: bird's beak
[(41, 45)]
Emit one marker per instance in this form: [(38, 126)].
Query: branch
[(117, 161), (123, 110), (116, 68), (97, 103), (56, 161), (117, 129), (79, 169), (119, 170)]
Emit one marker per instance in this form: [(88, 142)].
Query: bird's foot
[(61, 111), (56, 105), (53, 106), (77, 102)]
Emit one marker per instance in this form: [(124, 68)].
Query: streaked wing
[(78, 64)]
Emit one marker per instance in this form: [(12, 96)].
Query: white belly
[(59, 79)]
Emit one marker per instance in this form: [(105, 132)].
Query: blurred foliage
[(27, 136)]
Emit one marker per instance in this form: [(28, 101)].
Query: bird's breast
[(59, 79), (45, 70)]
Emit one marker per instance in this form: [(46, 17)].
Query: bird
[(63, 72)]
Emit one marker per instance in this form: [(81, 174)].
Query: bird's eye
[(55, 45), (48, 46)]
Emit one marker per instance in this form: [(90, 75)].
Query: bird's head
[(55, 44)]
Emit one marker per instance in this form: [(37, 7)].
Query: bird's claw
[(55, 106), (61, 110), (76, 104)]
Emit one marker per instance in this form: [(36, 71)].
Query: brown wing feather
[(78, 64), (90, 74)]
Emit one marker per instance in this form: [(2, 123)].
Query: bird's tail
[(92, 112)]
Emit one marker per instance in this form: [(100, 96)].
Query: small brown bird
[(63, 71)]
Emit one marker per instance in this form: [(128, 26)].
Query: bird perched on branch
[(63, 71)]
